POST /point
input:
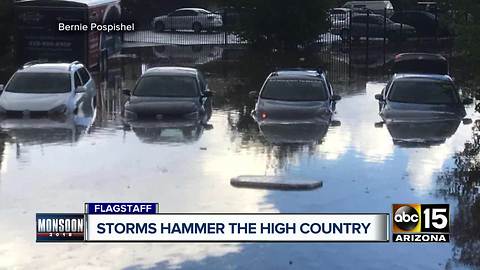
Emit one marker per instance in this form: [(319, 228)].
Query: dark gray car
[(421, 96), (295, 94), (169, 91)]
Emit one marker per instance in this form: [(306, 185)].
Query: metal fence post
[(401, 24), (368, 38), (384, 36), (224, 26), (349, 43), (436, 25)]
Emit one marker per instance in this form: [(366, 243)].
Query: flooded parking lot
[(57, 165)]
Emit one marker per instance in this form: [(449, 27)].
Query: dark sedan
[(421, 96), (169, 91), (426, 24)]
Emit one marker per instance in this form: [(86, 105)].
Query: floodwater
[(51, 166)]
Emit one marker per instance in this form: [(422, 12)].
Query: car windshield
[(39, 83), (338, 12), (167, 86), (423, 91), (295, 90)]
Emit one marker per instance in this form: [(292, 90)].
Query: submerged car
[(420, 63), (293, 94), (169, 92), (196, 19), (46, 88), (421, 96)]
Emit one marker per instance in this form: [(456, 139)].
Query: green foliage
[(464, 15), (281, 23)]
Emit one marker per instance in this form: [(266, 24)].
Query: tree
[(281, 23), (466, 17), (6, 27)]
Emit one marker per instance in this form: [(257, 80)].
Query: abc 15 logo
[(421, 218)]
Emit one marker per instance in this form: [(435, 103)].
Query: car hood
[(32, 102), (278, 110), (163, 105), (396, 111)]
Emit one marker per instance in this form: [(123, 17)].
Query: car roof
[(358, 14), (48, 67), (65, 2), (177, 71), (297, 73), (194, 9), (419, 56), (342, 9), (422, 76)]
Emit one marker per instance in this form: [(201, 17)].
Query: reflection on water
[(186, 167), (292, 133), (425, 133), (50, 130), (177, 131)]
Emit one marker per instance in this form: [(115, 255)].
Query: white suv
[(52, 88)]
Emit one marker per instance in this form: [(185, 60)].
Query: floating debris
[(274, 182)]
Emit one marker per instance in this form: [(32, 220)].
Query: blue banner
[(122, 208)]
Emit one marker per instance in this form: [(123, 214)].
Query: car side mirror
[(379, 124), (208, 93), (208, 126), (467, 121), (467, 101), (335, 123), (336, 97), (81, 89), (379, 97), (127, 92), (253, 94)]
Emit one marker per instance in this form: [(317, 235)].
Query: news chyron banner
[(142, 222)]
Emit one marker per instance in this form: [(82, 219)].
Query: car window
[(179, 13), (39, 83), (375, 20), (337, 12), (423, 91), (167, 86), (78, 82), (359, 19), (190, 13), (84, 75), (295, 90)]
